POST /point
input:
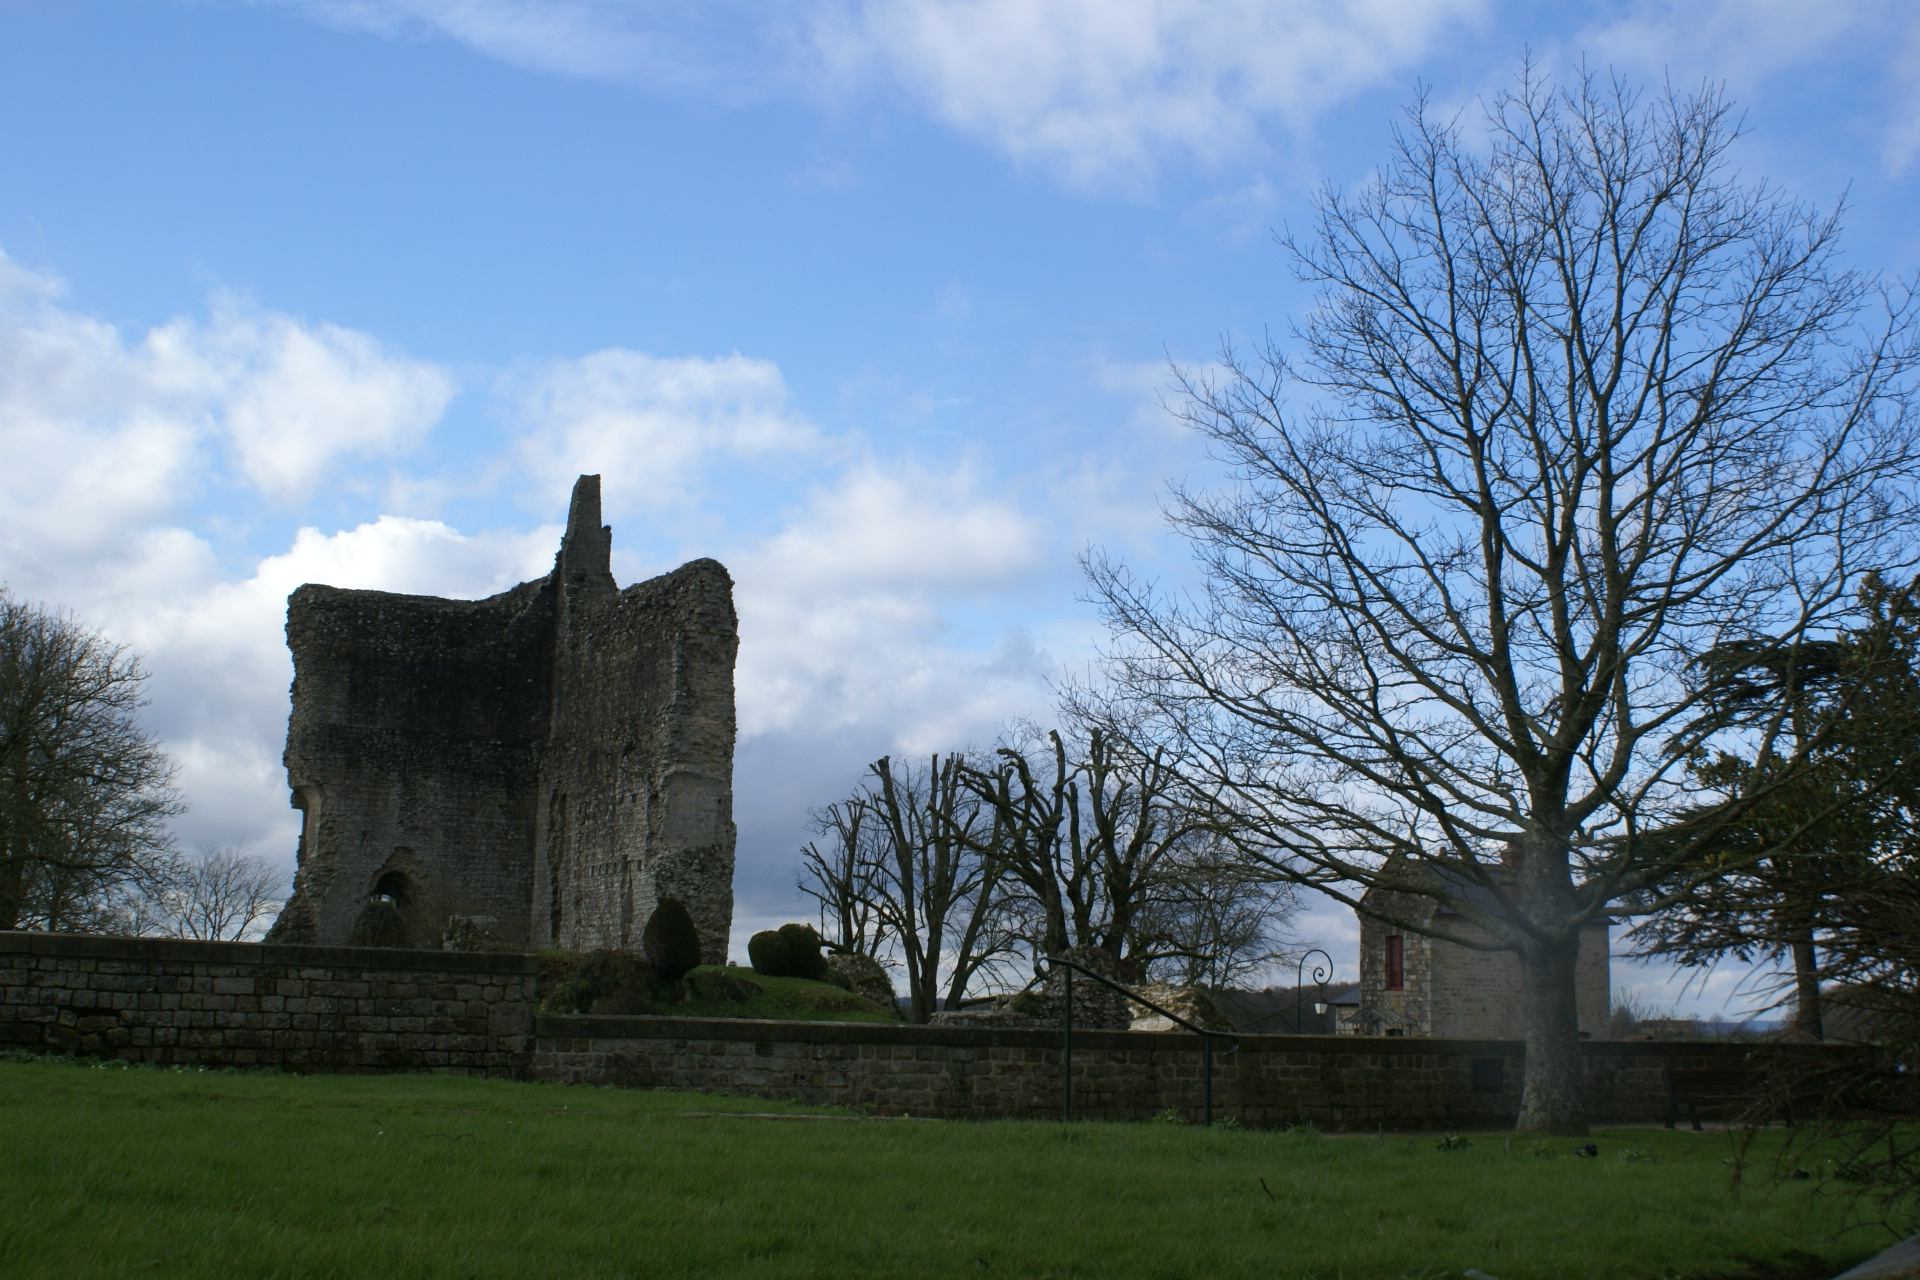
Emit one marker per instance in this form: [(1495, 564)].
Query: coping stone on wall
[(193, 951)]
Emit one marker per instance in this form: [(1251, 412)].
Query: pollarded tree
[(1577, 405), (85, 793)]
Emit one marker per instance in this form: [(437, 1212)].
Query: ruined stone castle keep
[(540, 767)]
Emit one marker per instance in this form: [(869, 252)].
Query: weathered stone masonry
[(546, 763), (374, 1009), (246, 1004), (1337, 1083)]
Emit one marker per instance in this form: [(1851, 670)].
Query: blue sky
[(872, 301)]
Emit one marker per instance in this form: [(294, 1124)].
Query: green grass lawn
[(107, 1171)]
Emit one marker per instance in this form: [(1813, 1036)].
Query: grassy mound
[(717, 992), (623, 983)]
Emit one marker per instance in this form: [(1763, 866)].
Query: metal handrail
[(1206, 1035)]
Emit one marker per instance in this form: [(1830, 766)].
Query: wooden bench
[(1689, 1087)]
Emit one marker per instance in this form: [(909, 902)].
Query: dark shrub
[(380, 924), (671, 942), (803, 942), (616, 982), (770, 954)]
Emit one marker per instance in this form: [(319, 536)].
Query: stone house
[(1412, 984)]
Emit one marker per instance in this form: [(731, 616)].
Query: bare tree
[(912, 869), (85, 793), (1212, 919), (847, 876), (943, 906), (1088, 834), (1579, 406), (222, 893)]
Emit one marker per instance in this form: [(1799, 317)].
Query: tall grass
[(124, 1172)]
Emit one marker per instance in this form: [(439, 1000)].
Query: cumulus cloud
[(841, 612), (294, 398), (650, 424), (107, 435), (112, 442)]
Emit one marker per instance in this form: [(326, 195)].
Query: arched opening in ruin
[(394, 888), (387, 919)]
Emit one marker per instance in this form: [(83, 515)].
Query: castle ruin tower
[(540, 767)]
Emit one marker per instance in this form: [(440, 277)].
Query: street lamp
[(1321, 972)]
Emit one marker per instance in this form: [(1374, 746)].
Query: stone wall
[(637, 777), (373, 1009), (243, 1004), (417, 726), (1337, 1083)]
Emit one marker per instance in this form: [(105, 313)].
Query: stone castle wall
[(237, 1004), (374, 1009), (548, 762), (636, 781), (417, 727), (1336, 1083)]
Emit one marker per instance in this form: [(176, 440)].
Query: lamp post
[(1321, 972)]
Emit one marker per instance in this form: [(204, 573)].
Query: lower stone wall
[(373, 1009), (1338, 1083), (246, 1004)]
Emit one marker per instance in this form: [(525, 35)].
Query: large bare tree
[(85, 792), (1576, 405)]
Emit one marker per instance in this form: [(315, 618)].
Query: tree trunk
[(1806, 990), (12, 891), (1554, 1098)]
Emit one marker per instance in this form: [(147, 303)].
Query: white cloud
[(294, 398), (650, 425), (1745, 42), (104, 434), (1096, 90), (841, 612), (1903, 137), (727, 49), (1104, 89), (98, 436), (1738, 40)]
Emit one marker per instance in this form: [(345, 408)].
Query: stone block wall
[(359, 1009), (250, 1005), (1337, 1083)]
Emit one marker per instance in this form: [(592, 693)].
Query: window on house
[(1396, 962)]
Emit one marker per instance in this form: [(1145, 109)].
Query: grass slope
[(795, 998), (110, 1172)]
